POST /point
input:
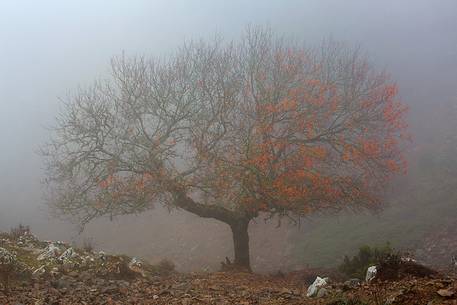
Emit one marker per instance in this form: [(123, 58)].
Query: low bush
[(393, 266), (356, 267), (164, 267)]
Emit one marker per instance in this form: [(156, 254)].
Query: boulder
[(351, 284), (314, 288), (371, 273), (51, 251), (68, 254)]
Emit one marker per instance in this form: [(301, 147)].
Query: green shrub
[(356, 267)]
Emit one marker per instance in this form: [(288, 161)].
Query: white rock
[(39, 271), (69, 253), (135, 262), (136, 265), (102, 255), (89, 258), (318, 284), (371, 273), (6, 258), (51, 251)]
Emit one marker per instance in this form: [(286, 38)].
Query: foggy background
[(48, 48)]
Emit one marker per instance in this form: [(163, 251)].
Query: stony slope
[(56, 273)]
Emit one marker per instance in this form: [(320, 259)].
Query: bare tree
[(228, 131)]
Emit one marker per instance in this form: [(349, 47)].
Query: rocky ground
[(225, 288), (46, 273)]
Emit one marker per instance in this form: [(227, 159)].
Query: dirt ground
[(226, 288)]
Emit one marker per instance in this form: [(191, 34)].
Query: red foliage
[(296, 140)]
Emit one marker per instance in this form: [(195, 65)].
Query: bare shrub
[(88, 245), (18, 231)]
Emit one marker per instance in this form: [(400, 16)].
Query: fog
[(49, 48)]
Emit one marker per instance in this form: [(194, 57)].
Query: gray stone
[(351, 283), (68, 254), (316, 286), (322, 292)]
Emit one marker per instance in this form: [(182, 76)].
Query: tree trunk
[(237, 222), (241, 243)]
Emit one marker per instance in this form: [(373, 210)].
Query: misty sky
[(48, 48)]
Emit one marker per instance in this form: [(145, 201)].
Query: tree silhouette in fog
[(260, 127)]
